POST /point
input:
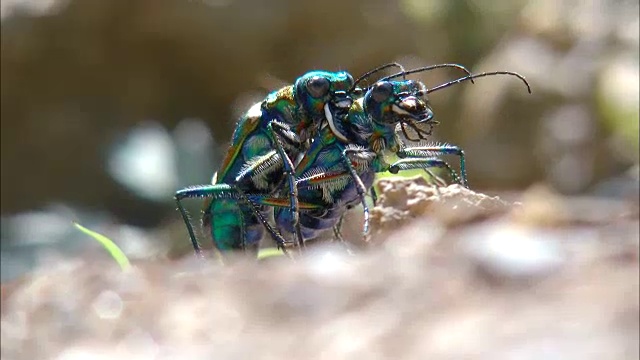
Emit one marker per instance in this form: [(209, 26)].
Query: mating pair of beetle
[(311, 150)]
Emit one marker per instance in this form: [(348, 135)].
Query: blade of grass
[(109, 245), (269, 252)]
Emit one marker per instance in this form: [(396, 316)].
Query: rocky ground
[(447, 274)]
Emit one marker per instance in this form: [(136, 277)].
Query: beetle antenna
[(371, 72), (426, 68), (475, 76)]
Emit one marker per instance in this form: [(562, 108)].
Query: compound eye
[(318, 86), (382, 91)]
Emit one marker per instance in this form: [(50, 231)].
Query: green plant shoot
[(111, 247)]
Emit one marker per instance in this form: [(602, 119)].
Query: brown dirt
[(449, 274)]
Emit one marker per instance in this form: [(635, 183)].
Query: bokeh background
[(109, 106)]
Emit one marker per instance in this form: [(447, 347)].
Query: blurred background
[(109, 106)]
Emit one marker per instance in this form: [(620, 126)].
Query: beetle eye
[(318, 86), (382, 91)]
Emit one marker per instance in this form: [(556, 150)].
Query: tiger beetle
[(342, 161), (259, 160), (330, 172)]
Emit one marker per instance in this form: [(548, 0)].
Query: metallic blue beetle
[(341, 163)]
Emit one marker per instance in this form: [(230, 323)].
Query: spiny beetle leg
[(429, 151), (422, 163), (278, 202), (274, 234), (337, 230), (198, 191), (359, 187), (277, 131), (220, 191)]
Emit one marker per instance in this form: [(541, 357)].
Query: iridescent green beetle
[(340, 166), (259, 159)]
